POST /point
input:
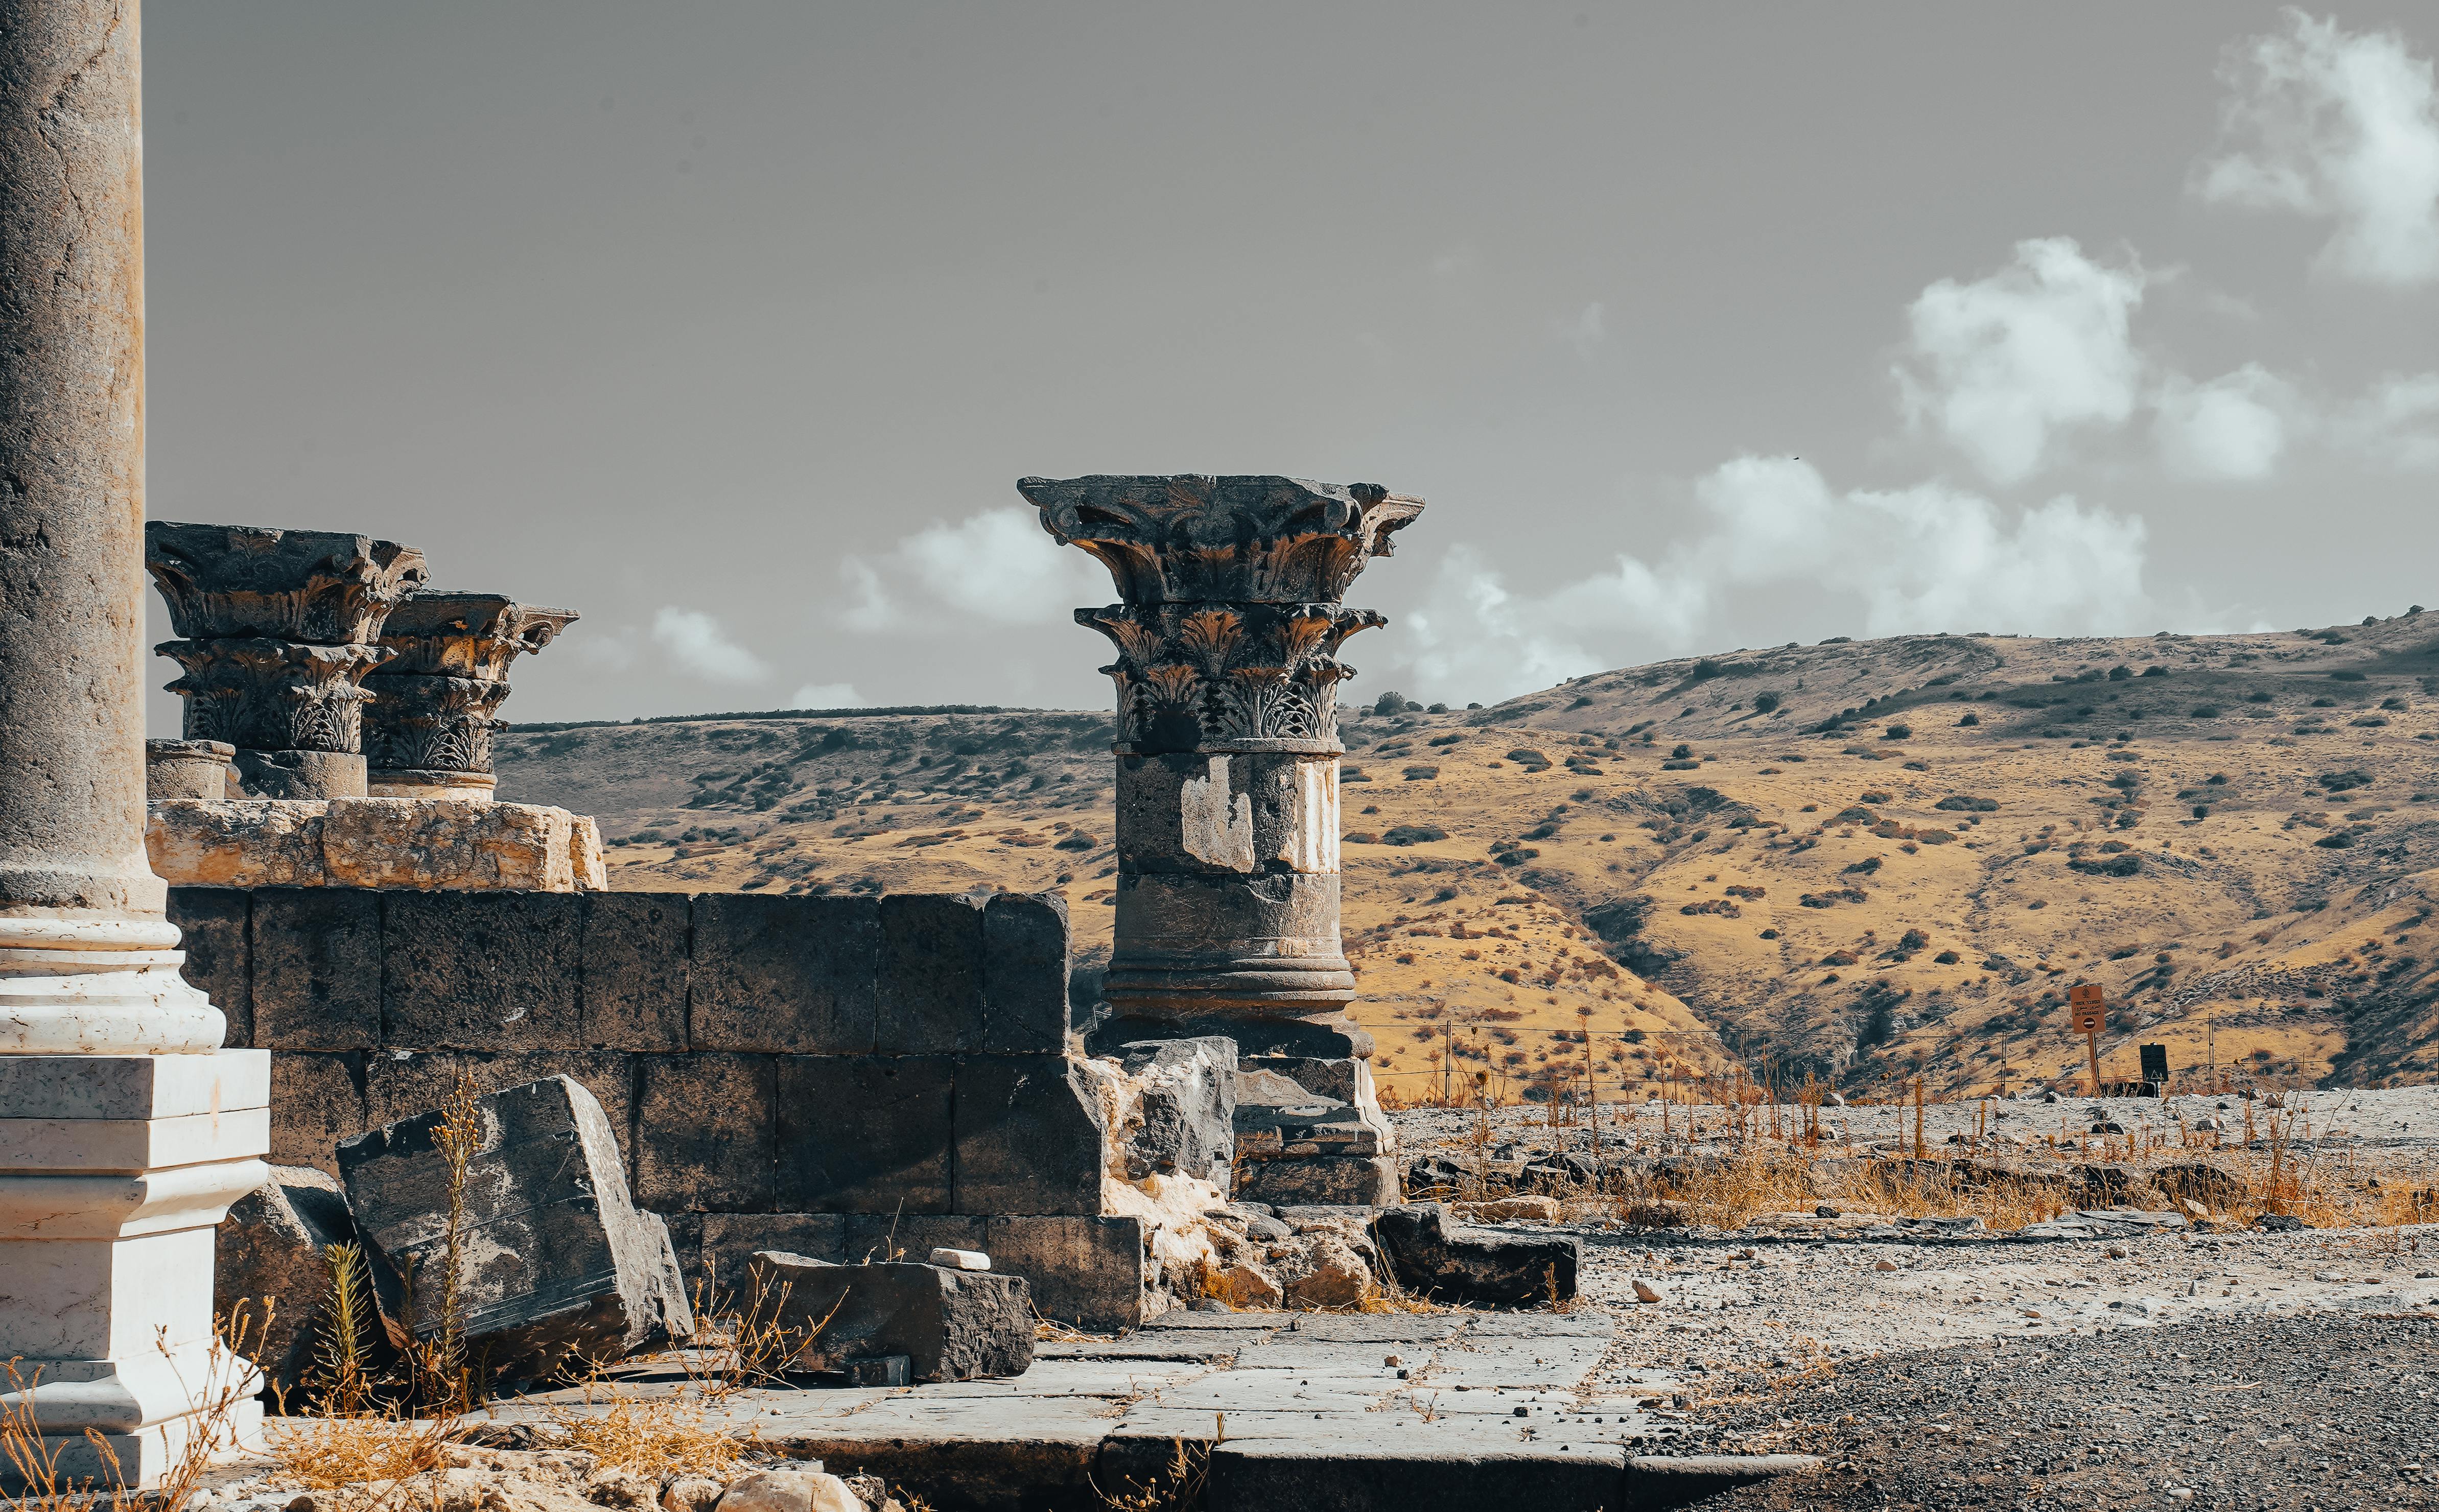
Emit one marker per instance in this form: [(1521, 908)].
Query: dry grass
[(654, 1440), (1176, 1487), (33, 1460)]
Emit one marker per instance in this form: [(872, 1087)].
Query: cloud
[(1928, 557), (696, 643), (2000, 365), (826, 696), (2339, 126), (2233, 428), (1587, 331), (2395, 426), (997, 566)]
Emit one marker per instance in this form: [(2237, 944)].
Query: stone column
[(1228, 748), (124, 1130), (435, 701), (279, 628)]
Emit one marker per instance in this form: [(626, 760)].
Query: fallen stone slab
[(272, 1254), (560, 1267), (951, 1325), (1184, 1117), (1429, 1254)]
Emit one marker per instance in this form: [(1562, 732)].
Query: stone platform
[(423, 845), (1294, 1410)]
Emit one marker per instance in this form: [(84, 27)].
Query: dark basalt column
[(1227, 750)]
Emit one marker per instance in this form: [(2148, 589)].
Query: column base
[(301, 773), (1324, 1037), (470, 787), (115, 1172)]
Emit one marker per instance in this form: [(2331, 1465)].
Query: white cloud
[(1587, 331), (2395, 426), (696, 643), (2340, 126), (2233, 428), (998, 566), (1999, 366), (1924, 558), (826, 696)]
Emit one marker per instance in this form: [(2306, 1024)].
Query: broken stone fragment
[(560, 1267), (1183, 1118), (951, 1325), (790, 1491), (1431, 1256), (273, 1255)]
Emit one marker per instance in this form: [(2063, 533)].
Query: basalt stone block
[(1026, 969), (317, 1099), (1030, 1136), (317, 968), (1321, 1180), (874, 1238), (784, 975), (730, 1241), (212, 924), (400, 1084), (1092, 1273), (1186, 1109), (704, 1131), (929, 993), (951, 1325), (480, 971), (865, 1134), (632, 985), (1433, 1256), (560, 1265), (272, 1255)]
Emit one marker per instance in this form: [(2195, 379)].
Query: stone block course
[(703, 1127), (784, 975), (634, 947), (212, 926), (929, 987), (728, 1240), (865, 1134), (480, 971), (1024, 974), (1029, 1136), (316, 956), (400, 1085), (1088, 1271), (873, 1237), (317, 1099)]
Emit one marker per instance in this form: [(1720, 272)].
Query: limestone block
[(633, 946), (1024, 974), (409, 782), (212, 925), (584, 854), (789, 1492), (951, 1325), (404, 843), (1183, 1110), (317, 968), (929, 991), (558, 1262), (1031, 1136), (272, 1254), (187, 769), (781, 973), (1433, 1256), (317, 1099), (865, 1134), (1088, 1271), (704, 1128), (488, 970)]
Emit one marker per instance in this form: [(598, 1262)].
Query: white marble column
[(125, 1129)]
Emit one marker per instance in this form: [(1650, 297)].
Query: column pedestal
[(115, 1172)]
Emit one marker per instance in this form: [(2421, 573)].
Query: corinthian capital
[(467, 635), (1239, 539), (260, 694), (1228, 676), (318, 587)]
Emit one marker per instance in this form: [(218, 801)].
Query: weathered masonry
[(825, 1075)]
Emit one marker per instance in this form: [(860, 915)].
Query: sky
[(732, 324)]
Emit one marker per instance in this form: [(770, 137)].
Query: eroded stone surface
[(274, 1256), (394, 842), (952, 1324), (1433, 1256)]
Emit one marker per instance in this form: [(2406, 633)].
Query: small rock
[(959, 1260), (1824, 1210), (790, 1491), (2277, 1222), (1509, 1210), (619, 1489), (2115, 1253), (1392, 1362), (1645, 1292), (1884, 1265), (691, 1493)]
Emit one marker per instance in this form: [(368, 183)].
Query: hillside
[(1860, 858)]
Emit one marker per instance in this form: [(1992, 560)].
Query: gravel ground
[(2330, 1411)]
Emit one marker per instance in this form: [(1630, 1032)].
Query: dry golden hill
[(1862, 860)]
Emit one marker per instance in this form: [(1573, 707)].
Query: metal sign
[(2088, 1009)]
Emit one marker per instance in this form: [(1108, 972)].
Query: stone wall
[(829, 1075)]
